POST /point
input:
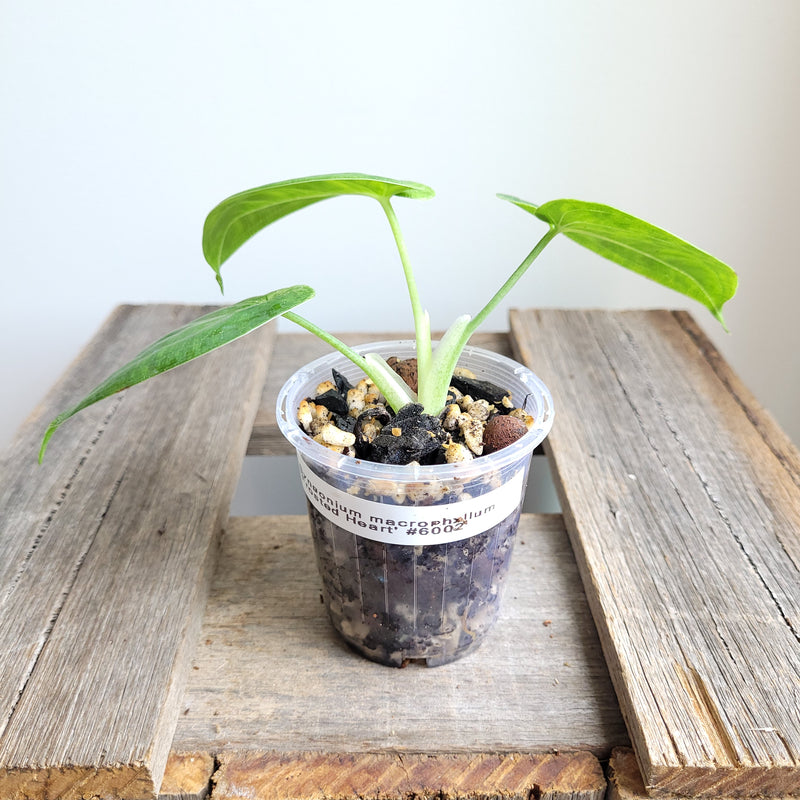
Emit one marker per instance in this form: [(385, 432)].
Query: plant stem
[(434, 393), (479, 318), (338, 344), (432, 387), (422, 329)]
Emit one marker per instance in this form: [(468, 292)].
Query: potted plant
[(414, 457)]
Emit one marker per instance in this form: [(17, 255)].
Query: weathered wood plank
[(293, 350), (270, 674), (313, 776), (625, 781), (772, 434), (106, 553), (685, 521), (187, 777)]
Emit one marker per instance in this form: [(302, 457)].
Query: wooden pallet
[(112, 674)]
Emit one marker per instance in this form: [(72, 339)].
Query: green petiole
[(392, 386), (422, 325), (449, 350)]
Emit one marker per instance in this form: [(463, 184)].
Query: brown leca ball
[(406, 369), (501, 431)]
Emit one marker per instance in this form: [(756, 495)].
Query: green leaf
[(231, 223), (640, 247), (197, 338)]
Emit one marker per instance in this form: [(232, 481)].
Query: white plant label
[(416, 525)]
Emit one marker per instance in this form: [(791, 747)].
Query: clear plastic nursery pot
[(413, 559)]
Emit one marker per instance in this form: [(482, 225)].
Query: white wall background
[(122, 124)]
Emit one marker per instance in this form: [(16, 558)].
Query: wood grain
[(270, 674), (769, 430), (106, 553), (314, 776), (293, 350), (625, 781), (187, 777), (684, 517)]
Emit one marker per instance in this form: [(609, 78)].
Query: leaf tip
[(51, 428), (531, 208)]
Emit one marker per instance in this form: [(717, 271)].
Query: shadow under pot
[(413, 559)]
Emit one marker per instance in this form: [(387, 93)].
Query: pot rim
[(537, 401)]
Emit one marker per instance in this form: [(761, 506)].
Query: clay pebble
[(501, 431), (407, 369)]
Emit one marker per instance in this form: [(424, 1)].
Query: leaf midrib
[(566, 230)]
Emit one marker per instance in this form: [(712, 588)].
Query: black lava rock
[(342, 384), (343, 423), (481, 390), (333, 401), (363, 445), (410, 436)]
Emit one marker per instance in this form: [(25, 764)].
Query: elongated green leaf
[(197, 338), (231, 223), (640, 247)]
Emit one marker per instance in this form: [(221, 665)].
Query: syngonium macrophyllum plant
[(620, 237)]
